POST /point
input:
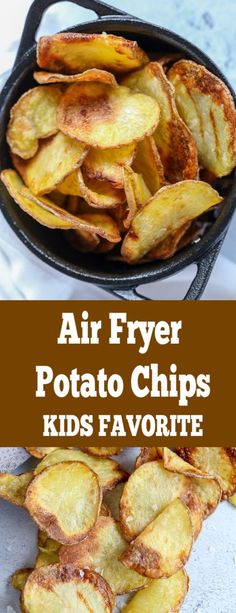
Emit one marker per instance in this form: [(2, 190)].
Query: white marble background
[(210, 25)]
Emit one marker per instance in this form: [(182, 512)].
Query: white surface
[(212, 566), (209, 25)]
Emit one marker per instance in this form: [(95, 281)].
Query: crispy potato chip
[(34, 116), (40, 452), (232, 499), (108, 471), (112, 499), (104, 117), (174, 140), (147, 454), (72, 53), (107, 165), (70, 186), (19, 578), (99, 194), (13, 487), (148, 491), (164, 545), (45, 543), (167, 211), (55, 588), (45, 558), (65, 500), (101, 551), (148, 163), (49, 214), (161, 595), (102, 76), (168, 247), (103, 451), (137, 193), (56, 158), (207, 107), (219, 462)]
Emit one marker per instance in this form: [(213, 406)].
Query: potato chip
[(148, 491), (164, 545), (101, 551), (13, 487), (168, 247), (70, 186), (167, 211), (217, 461), (102, 76), (174, 140), (65, 500), (161, 595), (45, 543), (148, 163), (19, 578), (55, 588), (232, 499), (207, 107), (34, 116), (103, 451), (107, 164), (45, 558), (56, 158), (108, 471), (147, 454), (100, 194), (77, 52), (112, 499), (40, 452), (104, 117), (137, 193)]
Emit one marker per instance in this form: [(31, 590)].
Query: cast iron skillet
[(118, 278)]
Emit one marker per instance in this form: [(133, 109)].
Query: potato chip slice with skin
[(137, 193), (33, 117), (13, 488), (19, 578), (56, 588), (168, 247), (70, 186), (207, 107), (173, 138), (220, 462), (107, 164), (39, 452), (172, 206), (99, 194), (49, 214), (94, 74), (161, 595), (147, 162), (55, 159), (103, 117), (108, 471), (76, 52), (164, 545), (101, 551), (65, 500)]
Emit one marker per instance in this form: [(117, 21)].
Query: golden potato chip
[(40, 452), (49, 214), (34, 116), (148, 163), (161, 595), (55, 588), (207, 107), (164, 545), (19, 578), (174, 140), (168, 247), (76, 52), (45, 543), (45, 558), (65, 500), (167, 211), (232, 499), (137, 193), (56, 158), (148, 491), (107, 164), (13, 487), (103, 451), (220, 462), (70, 186), (112, 499), (101, 551), (102, 76), (100, 194), (105, 117), (108, 471)]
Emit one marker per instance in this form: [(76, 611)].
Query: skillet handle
[(37, 9), (204, 269)]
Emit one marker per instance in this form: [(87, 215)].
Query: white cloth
[(23, 275)]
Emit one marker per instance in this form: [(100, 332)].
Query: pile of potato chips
[(104, 533), (109, 146)]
